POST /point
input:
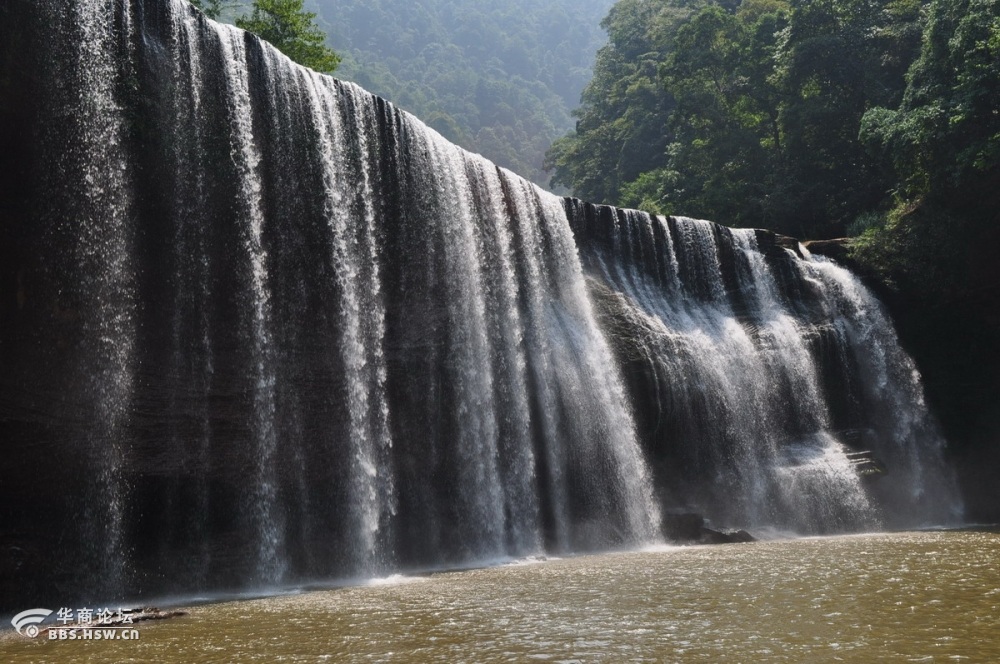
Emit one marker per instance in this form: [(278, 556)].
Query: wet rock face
[(683, 527), (690, 528), (750, 366), (839, 249)]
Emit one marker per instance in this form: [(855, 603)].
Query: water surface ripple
[(931, 596)]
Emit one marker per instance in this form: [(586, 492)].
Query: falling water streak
[(538, 343), (472, 382), (103, 257), (378, 498), (291, 105), (265, 512), (202, 271), (321, 102), (793, 468), (187, 260), (744, 392), (863, 321), (176, 360), (893, 382), (702, 266), (362, 316), (386, 556), (631, 474), (779, 330), (362, 471), (518, 473), (284, 109), (716, 349), (192, 364)]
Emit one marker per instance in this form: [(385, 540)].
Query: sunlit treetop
[(286, 25)]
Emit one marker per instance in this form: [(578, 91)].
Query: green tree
[(743, 111), (728, 142), (836, 59), (214, 8), (943, 142), (293, 31), (945, 136), (621, 129)]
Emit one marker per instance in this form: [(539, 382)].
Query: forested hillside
[(498, 78), (747, 112), (876, 119)]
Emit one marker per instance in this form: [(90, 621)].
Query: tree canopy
[(946, 134), (941, 144), (744, 111), (286, 25), (214, 8)]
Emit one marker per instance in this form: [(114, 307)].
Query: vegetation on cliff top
[(743, 112), (283, 23)]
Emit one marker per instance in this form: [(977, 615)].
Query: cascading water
[(93, 228), (276, 330), (774, 371)]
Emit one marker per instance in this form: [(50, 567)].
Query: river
[(915, 596)]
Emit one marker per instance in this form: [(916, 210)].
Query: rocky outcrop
[(838, 249), (835, 248), (867, 465), (690, 528)]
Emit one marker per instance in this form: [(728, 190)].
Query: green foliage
[(651, 191), (942, 143), (293, 31), (727, 137), (620, 131), (870, 220), (499, 78), (743, 111), (211, 8), (945, 135), (917, 249), (214, 9)]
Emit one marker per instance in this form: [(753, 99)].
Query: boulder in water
[(684, 527), (690, 528)]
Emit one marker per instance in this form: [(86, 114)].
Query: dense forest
[(876, 119), (794, 116), (497, 78)]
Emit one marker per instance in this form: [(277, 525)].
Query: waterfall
[(276, 330), (760, 375), (92, 227)]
